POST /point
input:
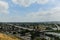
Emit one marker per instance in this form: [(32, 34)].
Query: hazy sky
[(29, 10)]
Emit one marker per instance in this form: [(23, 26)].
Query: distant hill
[(50, 22)]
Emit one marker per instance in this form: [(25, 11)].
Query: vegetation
[(7, 37), (37, 38)]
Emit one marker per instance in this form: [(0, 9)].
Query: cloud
[(4, 7), (27, 3), (52, 14), (55, 14), (42, 1)]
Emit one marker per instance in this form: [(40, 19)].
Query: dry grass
[(7, 37)]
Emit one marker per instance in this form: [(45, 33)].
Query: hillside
[(7, 37)]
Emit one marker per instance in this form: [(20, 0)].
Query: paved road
[(53, 33), (29, 28), (58, 27), (49, 33)]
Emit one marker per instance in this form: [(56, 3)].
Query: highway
[(29, 28), (53, 34), (22, 27), (58, 27), (46, 31)]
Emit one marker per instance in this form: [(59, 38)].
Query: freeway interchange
[(28, 33)]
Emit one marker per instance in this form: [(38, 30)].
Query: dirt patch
[(7, 37)]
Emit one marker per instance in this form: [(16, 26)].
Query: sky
[(29, 10)]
